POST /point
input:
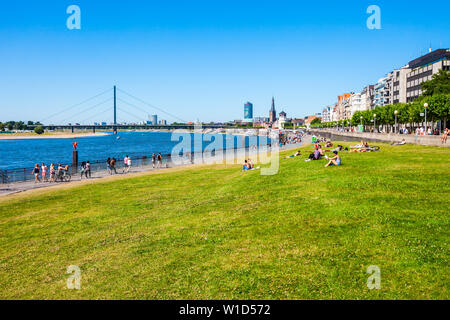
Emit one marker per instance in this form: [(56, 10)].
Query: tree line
[(436, 94), (19, 125)]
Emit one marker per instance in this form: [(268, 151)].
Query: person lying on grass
[(335, 161), (361, 145), (403, 142), (293, 155)]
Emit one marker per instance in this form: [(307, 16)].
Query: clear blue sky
[(204, 59)]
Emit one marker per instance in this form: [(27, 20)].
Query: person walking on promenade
[(113, 165), (52, 172), (159, 160), (44, 172), (88, 169), (83, 170), (153, 160), (125, 164), (445, 135), (128, 164), (36, 172), (108, 165)]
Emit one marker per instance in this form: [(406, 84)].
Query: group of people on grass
[(43, 174), (319, 153)]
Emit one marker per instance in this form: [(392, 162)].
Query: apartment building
[(396, 84), (422, 69), (381, 91)]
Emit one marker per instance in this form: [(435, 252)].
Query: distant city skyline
[(202, 59)]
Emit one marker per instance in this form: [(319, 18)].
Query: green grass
[(213, 232)]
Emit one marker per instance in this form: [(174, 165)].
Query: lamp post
[(425, 106), (374, 122), (396, 126)]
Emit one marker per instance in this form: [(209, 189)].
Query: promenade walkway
[(17, 187), (381, 137)]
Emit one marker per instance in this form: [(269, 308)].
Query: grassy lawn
[(213, 232)]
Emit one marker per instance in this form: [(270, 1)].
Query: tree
[(39, 130), (2, 126), (439, 84), (316, 121)]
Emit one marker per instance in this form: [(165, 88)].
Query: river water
[(25, 153)]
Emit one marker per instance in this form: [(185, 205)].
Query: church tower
[(272, 112)]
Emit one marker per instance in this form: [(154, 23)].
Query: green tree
[(439, 84), (316, 121), (39, 130)]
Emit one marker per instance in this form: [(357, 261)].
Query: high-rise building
[(272, 112), (154, 119), (248, 112)]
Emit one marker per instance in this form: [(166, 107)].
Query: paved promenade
[(17, 187)]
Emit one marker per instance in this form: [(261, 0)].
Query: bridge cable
[(150, 105), (75, 105), (131, 114), (89, 108), (96, 115)]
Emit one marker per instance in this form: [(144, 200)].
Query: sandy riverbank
[(50, 135)]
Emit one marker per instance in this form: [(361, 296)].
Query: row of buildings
[(401, 85), (274, 120)]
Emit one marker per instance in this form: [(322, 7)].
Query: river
[(25, 153)]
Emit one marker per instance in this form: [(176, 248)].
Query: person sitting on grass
[(315, 155), (293, 155), (335, 161), (246, 166)]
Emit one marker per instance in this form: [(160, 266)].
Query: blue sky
[(203, 59)]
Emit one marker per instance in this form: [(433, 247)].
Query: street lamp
[(361, 119), (425, 106), (374, 122), (396, 126)]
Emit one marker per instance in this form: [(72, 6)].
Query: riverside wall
[(381, 137)]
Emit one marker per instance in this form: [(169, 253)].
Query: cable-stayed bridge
[(91, 114)]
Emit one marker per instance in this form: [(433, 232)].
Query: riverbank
[(214, 232), (50, 135), (24, 186)]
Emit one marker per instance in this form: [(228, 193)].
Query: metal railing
[(144, 162)]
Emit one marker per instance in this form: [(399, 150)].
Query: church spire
[(273, 105), (272, 112)]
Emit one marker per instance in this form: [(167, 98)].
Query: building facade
[(396, 82), (154, 119), (380, 92), (422, 69), (248, 112)]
